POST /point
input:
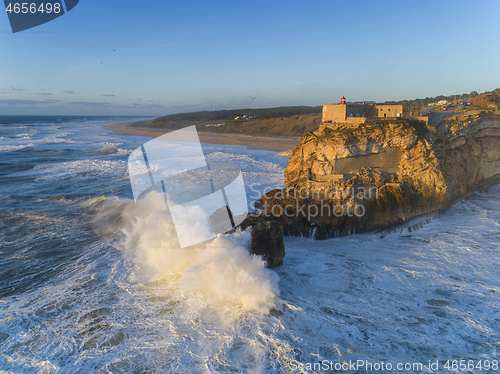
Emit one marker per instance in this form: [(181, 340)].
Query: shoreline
[(265, 142)]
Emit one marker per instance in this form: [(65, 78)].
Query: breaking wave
[(221, 270)]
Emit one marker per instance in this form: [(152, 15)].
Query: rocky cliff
[(343, 179)]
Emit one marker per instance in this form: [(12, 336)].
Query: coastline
[(265, 142)]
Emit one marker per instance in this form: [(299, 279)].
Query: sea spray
[(73, 308), (220, 271)]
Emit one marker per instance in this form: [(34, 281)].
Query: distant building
[(359, 113), (440, 102), (215, 125)]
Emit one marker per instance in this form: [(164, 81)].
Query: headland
[(369, 172)]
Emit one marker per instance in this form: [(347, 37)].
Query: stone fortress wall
[(359, 113), (325, 169)]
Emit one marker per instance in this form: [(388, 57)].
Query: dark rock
[(267, 239), (267, 235)]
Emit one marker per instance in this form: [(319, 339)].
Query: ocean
[(90, 282)]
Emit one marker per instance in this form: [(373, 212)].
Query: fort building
[(359, 113), (324, 171)]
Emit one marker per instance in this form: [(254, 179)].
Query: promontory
[(370, 167)]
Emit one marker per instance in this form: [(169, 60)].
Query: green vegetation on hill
[(221, 115), (450, 98), (488, 102), (495, 99), (434, 99), (287, 121)]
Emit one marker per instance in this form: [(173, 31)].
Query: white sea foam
[(10, 148), (77, 169), (429, 294), (221, 270)]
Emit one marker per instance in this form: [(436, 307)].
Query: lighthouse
[(342, 101)]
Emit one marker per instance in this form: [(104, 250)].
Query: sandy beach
[(271, 143)]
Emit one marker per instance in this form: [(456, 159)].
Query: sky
[(157, 57)]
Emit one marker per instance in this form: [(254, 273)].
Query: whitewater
[(92, 282)]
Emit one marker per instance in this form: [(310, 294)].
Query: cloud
[(96, 104), (90, 104), (17, 89), (108, 95), (45, 93), (152, 106), (68, 92), (82, 107), (17, 102), (184, 105)]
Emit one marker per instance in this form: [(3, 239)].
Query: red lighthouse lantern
[(342, 101)]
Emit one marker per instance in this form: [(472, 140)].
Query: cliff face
[(352, 179), (471, 155)]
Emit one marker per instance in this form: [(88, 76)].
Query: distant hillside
[(219, 115), (434, 99), (292, 121), (289, 121), (487, 101)]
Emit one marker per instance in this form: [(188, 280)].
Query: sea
[(91, 282)]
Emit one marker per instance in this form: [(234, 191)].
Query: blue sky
[(158, 57)]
